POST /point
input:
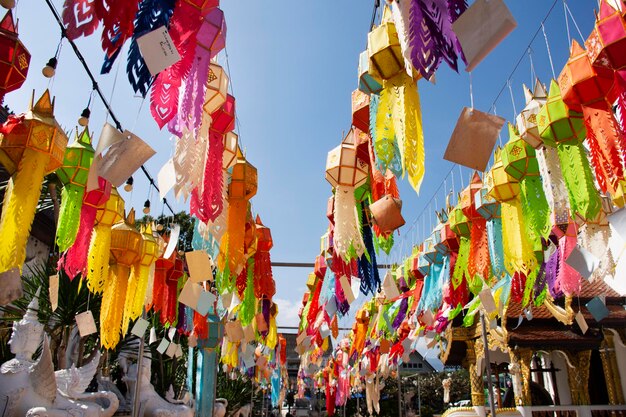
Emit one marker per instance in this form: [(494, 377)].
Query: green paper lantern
[(557, 123), (500, 184), (459, 223), (518, 157), (77, 160)]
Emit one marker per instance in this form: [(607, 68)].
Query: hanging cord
[(567, 11), (232, 92), (512, 99), (545, 36), (96, 87), (533, 74), (57, 53), (471, 91)]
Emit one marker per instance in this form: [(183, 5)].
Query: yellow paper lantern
[(383, 46), (231, 146)]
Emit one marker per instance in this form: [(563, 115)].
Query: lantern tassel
[(518, 252), (347, 231), (583, 196), (264, 285), (535, 209), (74, 261), (111, 311), (98, 258), (20, 205), (409, 127), (247, 309), (69, 216), (237, 212), (479, 262), (385, 145), (460, 267), (135, 294)]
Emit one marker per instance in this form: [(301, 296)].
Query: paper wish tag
[(617, 221), (597, 308), (190, 294), (192, 341), (124, 158), (10, 286), (171, 333), (173, 243), (171, 350), (140, 327), (248, 333), (163, 346), (158, 50), (248, 359), (205, 302), (153, 337), (86, 324), (324, 331), (582, 323), (486, 299), (583, 261), (53, 290), (234, 331), (389, 287), (331, 307), (473, 139), (166, 178), (261, 361), (199, 264), (355, 283), (347, 289)]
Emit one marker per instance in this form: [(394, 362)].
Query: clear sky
[(293, 67)]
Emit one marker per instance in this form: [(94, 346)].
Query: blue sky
[(293, 67)]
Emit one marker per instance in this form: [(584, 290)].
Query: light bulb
[(159, 227), (129, 185), (146, 207), (50, 69), (7, 4), (83, 120)]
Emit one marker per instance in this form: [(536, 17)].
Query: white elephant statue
[(33, 389)]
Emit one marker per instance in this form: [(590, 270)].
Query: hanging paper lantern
[(162, 266), (264, 285), (527, 119), (231, 144), (242, 187), (345, 171), (564, 129), (74, 261), (368, 82), (461, 226), (73, 175), (478, 261), (31, 150), (383, 47), (500, 185), (99, 248), (217, 89), (361, 110), (169, 312), (607, 42), (584, 87), (139, 277), (14, 57), (125, 249)]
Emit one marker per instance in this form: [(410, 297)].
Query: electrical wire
[(97, 89)]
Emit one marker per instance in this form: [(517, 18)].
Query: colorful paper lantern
[(557, 123), (14, 57), (607, 42), (527, 120), (140, 277), (343, 167), (500, 185), (217, 89), (125, 250), (231, 145), (487, 206), (99, 248), (73, 175), (264, 285), (361, 110), (169, 312), (460, 224), (368, 83), (518, 158), (224, 117), (33, 149), (385, 54), (582, 84)]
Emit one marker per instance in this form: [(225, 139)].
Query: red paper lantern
[(14, 57), (361, 110), (224, 117), (607, 42)]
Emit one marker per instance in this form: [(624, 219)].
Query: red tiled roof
[(554, 338)]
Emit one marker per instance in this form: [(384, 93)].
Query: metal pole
[(137, 393), (419, 397), (399, 392), (489, 381)]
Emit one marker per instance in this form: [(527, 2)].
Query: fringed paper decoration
[(73, 175), (564, 129), (264, 285), (206, 200), (518, 251), (33, 148), (162, 267), (74, 261), (118, 22), (247, 307), (80, 18), (553, 184), (347, 228), (150, 15), (173, 283), (568, 279), (98, 256), (139, 278), (189, 161), (126, 243), (461, 226), (478, 262), (584, 88), (399, 129), (430, 38), (368, 270)]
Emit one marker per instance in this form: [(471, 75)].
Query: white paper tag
[(389, 287), (486, 299), (166, 178), (163, 346), (54, 291), (171, 245), (158, 50), (205, 302), (153, 337), (583, 261), (347, 289), (140, 327), (190, 294), (582, 323), (617, 221), (86, 324), (179, 351), (171, 350), (171, 333), (199, 264), (124, 158), (324, 330), (356, 286), (248, 333)]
